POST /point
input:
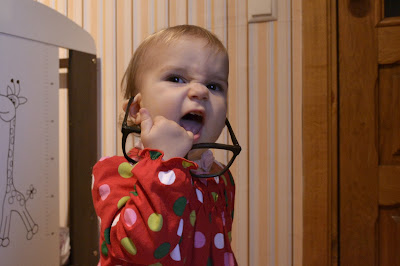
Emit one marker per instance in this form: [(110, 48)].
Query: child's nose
[(198, 91)]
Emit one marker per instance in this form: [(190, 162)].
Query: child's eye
[(215, 87), (175, 79)]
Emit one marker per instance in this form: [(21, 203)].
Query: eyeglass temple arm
[(234, 140)]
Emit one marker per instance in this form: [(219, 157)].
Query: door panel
[(389, 114), (389, 236), (369, 133)]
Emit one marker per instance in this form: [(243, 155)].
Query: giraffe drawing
[(14, 201)]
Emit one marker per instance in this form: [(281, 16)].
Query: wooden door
[(369, 132)]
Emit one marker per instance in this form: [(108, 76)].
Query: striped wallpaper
[(260, 101)]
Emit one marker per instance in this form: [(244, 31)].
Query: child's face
[(187, 81)]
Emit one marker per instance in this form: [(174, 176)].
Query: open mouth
[(193, 121)]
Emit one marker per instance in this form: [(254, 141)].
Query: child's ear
[(135, 106)]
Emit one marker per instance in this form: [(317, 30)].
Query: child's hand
[(165, 135)]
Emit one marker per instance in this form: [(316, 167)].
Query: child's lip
[(200, 112)]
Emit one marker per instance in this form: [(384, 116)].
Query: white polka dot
[(216, 178), (180, 228), (167, 178), (104, 191), (199, 195), (219, 241), (115, 220), (92, 181), (99, 220), (176, 254)]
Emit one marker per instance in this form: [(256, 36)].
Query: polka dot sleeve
[(140, 207)]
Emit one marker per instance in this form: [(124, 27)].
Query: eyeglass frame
[(235, 148)]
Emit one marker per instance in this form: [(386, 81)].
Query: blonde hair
[(165, 36)]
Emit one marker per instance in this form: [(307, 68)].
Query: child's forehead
[(187, 40)]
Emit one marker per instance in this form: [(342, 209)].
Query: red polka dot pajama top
[(155, 213)]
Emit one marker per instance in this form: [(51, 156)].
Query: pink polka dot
[(103, 158), (199, 239), (228, 259), (130, 217), (104, 191)]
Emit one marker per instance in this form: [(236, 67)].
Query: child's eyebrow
[(185, 72), (169, 68)]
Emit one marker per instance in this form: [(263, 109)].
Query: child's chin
[(195, 154)]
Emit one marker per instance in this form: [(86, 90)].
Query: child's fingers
[(146, 123), (190, 133)]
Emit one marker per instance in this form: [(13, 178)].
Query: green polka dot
[(192, 218), (186, 164), (107, 235), (134, 192), (155, 222), (154, 154), (179, 206), (209, 262), (104, 249), (209, 217), (230, 236), (180, 240), (125, 170), (223, 178), (226, 198), (156, 264), (122, 201), (127, 243), (232, 214), (162, 250), (215, 196)]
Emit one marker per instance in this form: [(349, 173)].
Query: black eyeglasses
[(229, 151)]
